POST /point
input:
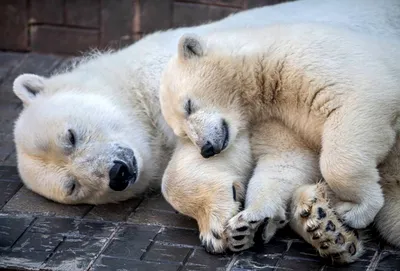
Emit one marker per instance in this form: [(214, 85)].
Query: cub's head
[(74, 146), (198, 96)]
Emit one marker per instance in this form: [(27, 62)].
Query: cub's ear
[(189, 46), (28, 86)]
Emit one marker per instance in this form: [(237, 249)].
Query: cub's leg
[(355, 140), (388, 219), (284, 163), (208, 190), (314, 220)]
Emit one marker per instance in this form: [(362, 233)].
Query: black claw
[(340, 239), (238, 247), (352, 249), (324, 245), (305, 213), (321, 213), (216, 235), (266, 220), (253, 222), (336, 255), (330, 226), (244, 228), (311, 229), (238, 237), (315, 237), (234, 192)]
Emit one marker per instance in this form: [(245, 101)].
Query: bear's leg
[(313, 218), (283, 164), (354, 142)]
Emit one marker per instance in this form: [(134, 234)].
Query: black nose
[(209, 150), (119, 176)]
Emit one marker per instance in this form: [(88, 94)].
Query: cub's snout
[(216, 142), (123, 171)]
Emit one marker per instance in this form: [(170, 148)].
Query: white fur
[(127, 82)]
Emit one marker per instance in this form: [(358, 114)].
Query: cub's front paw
[(242, 228)]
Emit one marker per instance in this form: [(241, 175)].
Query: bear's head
[(76, 146), (198, 96)]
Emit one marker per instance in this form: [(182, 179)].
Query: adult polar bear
[(85, 134)]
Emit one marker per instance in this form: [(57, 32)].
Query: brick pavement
[(140, 234)]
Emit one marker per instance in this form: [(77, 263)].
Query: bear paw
[(240, 231), (325, 231)]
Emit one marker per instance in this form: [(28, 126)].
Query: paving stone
[(157, 202), (37, 242), (8, 62), (7, 190), (28, 202), (302, 250), (137, 232), (114, 212), (168, 219), (87, 244), (16, 260), (126, 249), (251, 260), (200, 259), (300, 264), (33, 63), (274, 247), (161, 253), (389, 261), (131, 241), (72, 228), (179, 237), (9, 173), (10, 159), (69, 260), (109, 263), (11, 228)]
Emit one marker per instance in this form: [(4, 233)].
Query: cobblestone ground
[(141, 234)]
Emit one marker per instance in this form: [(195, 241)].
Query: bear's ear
[(189, 46), (28, 86)]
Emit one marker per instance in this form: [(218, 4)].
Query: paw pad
[(352, 249), (330, 226), (321, 213), (244, 228), (238, 237), (340, 239)]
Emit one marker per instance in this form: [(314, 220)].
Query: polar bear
[(212, 190), (107, 106), (338, 90)]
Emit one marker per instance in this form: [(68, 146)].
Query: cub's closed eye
[(71, 137), (189, 107)]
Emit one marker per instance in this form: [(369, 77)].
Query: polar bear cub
[(338, 90), (286, 170)]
